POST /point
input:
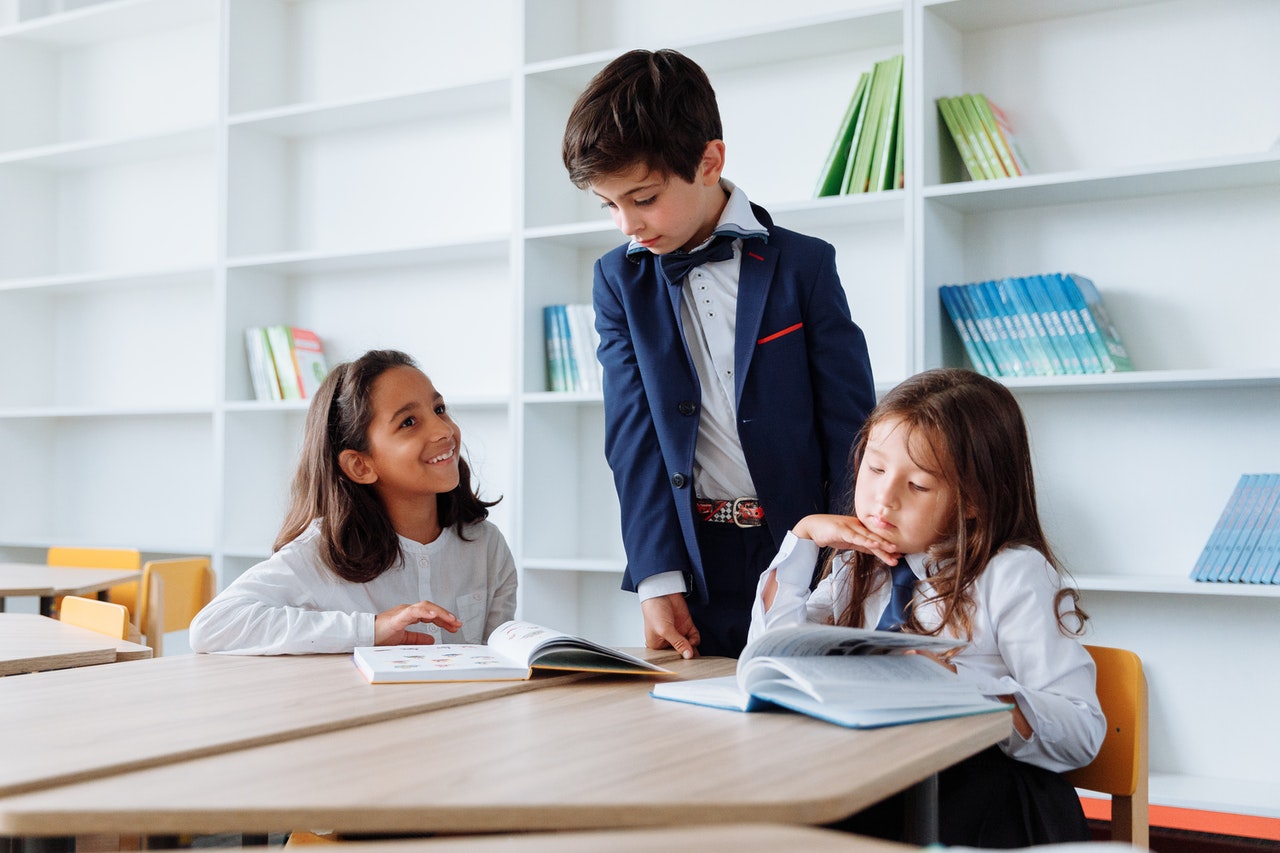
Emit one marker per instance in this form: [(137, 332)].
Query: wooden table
[(49, 582), (595, 753), (31, 643)]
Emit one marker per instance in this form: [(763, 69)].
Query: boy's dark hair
[(357, 540), (651, 107)]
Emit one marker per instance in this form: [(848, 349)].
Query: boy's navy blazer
[(803, 384)]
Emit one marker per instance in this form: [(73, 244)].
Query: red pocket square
[(788, 330)]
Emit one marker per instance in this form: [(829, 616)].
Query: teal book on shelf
[(1242, 547), (956, 306), (1037, 296), (1102, 332)]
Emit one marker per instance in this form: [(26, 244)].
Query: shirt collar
[(737, 220)]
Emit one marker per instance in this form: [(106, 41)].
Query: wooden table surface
[(596, 753), (147, 712), (47, 582), (738, 838), (32, 643)]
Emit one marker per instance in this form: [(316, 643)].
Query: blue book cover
[(1078, 333), (1105, 335), (572, 378), (957, 309), (1214, 545), (1034, 339), (1268, 563), (557, 378), (1245, 565), (1049, 324), (1020, 363), (1221, 568), (993, 333)]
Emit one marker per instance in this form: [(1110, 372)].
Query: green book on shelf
[(956, 129), (831, 181), (881, 174), (859, 127), (860, 167), (899, 151), (982, 108), (978, 139)]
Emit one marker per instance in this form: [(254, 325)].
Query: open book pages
[(850, 676), (513, 651)]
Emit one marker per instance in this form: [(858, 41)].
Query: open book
[(514, 650), (853, 677)]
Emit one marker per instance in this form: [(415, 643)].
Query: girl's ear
[(357, 468)]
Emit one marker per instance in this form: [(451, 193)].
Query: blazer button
[(686, 408), (677, 480)]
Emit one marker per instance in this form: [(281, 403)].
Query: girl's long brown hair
[(968, 431), (357, 540)]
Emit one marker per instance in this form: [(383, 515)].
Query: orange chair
[(101, 616), (1120, 767), (173, 592), (102, 558)]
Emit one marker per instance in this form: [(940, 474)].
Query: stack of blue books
[(1040, 325), (1244, 546)]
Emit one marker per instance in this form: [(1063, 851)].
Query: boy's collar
[(737, 220)]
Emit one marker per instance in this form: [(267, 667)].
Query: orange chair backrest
[(187, 585), (1122, 691), (101, 616)]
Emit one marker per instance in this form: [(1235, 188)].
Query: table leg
[(46, 605), (922, 811), (52, 844)]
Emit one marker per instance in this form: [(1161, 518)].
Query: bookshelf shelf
[(387, 173)]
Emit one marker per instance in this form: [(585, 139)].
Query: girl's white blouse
[(291, 603), (1017, 647)]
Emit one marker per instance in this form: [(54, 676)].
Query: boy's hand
[(390, 627), (667, 623), (845, 533)]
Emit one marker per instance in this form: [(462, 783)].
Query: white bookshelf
[(387, 172)]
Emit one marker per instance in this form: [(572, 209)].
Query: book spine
[(956, 310), (881, 176), (1034, 341), (983, 110), (584, 351), (859, 131), (1071, 314), (967, 157), (992, 330), (860, 171), (1011, 333), (556, 379), (982, 142), (971, 136), (1269, 549), (1246, 547), (1034, 288), (573, 378), (1237, 533), (1010, 138), (282, 357), (1112, 352), (254, 350), (1206, 563), (831, 179)]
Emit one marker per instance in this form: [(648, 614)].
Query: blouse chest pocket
[(471, 610)]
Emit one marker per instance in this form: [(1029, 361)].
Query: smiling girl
[(944, 486), (384, 542)]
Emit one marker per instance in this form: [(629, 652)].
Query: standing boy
[(734, 378)]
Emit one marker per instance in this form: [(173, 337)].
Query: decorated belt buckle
[(739, 510)]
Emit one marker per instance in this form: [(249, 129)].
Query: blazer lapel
[(754, 277)]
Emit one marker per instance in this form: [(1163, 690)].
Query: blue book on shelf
[(1102, 331), (1048, 324), (1244, 564), (990, 329), (1034, 341), (1077, 332), (1268, 562), (572, 376), (1245, 539), (957, 309), (1221, 568), (557, 363), (1216, 544), (1010, 334)]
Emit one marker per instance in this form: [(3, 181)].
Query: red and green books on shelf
[(983, 137), (285, 362), (1244, 546), (866, 154), (1040, 325), (571, 341)]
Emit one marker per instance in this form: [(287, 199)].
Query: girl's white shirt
[(1017, 647), (291, 603)]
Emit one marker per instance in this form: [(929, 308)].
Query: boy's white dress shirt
[(292, 603), (1017, 648)]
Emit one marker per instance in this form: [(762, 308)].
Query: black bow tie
[(676, 265)]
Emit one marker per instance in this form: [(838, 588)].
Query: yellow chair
[(173, 592), (102, 558), (1120, 768), (101, 616)]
